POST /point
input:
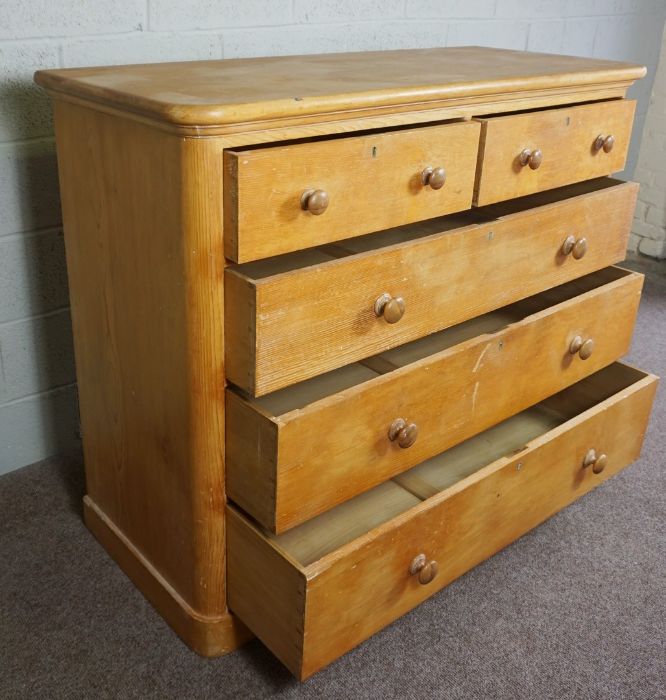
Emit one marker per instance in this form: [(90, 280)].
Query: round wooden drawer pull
[(434, 177), (314, 201), (584, 348), (605, 142), (403, 433), (531, 158), (424, 569), (577, 247), (597, 462), (392, 309)]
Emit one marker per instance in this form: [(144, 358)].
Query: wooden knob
[(597, 462), (403, 433), (531, 158), (390, 308), (605, 142), (434, 177), (577, 247), (568, 244), (424, 569), (580, 248), (314, 201), (581, 347)]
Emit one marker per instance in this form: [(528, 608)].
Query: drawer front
[(310, 615), (285, 469), (296, 325), (562, 146), (357, 185)]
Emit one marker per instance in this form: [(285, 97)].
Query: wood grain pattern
[(341, 122), (208, 635), (566, 139), (372, 182), (145, 266), (278, 589), (267, 90), (329, 449), (141, 151), (358, 589), (284, 325)]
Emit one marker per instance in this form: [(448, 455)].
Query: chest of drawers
[(345, 326)]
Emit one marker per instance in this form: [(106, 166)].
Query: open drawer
[(537, 150), (291, 196), (296, 316), (299, 451), (320, 589)]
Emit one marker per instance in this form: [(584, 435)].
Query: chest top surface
[(233, 91)]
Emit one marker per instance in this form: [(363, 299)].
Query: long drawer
[(293, 196), (302, 450), (525, 153), (319, 590), (296, 316)]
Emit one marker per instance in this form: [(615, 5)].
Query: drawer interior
[(289, 262), (316, 538), (281, 264), (320, 388), (540, 199)]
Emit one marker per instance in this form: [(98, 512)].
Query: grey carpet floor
[(574, 609)]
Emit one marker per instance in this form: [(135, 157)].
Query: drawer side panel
[(265, 590), (251, 458)]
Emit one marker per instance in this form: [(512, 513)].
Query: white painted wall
[(38, 414)]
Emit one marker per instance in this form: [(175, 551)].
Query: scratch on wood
[(474, 393), (478, 362)]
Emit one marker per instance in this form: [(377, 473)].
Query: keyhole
[(374, 151)]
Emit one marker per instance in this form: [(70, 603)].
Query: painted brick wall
[(649, 230), (38, 411)]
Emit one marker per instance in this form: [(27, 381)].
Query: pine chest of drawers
[(345, 326)]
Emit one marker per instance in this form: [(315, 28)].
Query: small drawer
[(525, 153), (296, 316), (288, 197), (297, 452), (319, 590)]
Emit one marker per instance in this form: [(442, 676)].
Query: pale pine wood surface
[(208, 635), (494, 321), (145, 262), (565, 137), (373, 182), (263, 89), (355, 590), (284, 326), (141, 153), (320, 453), (277, 586)]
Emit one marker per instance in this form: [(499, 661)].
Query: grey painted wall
[(649, 230), (38, 411)]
